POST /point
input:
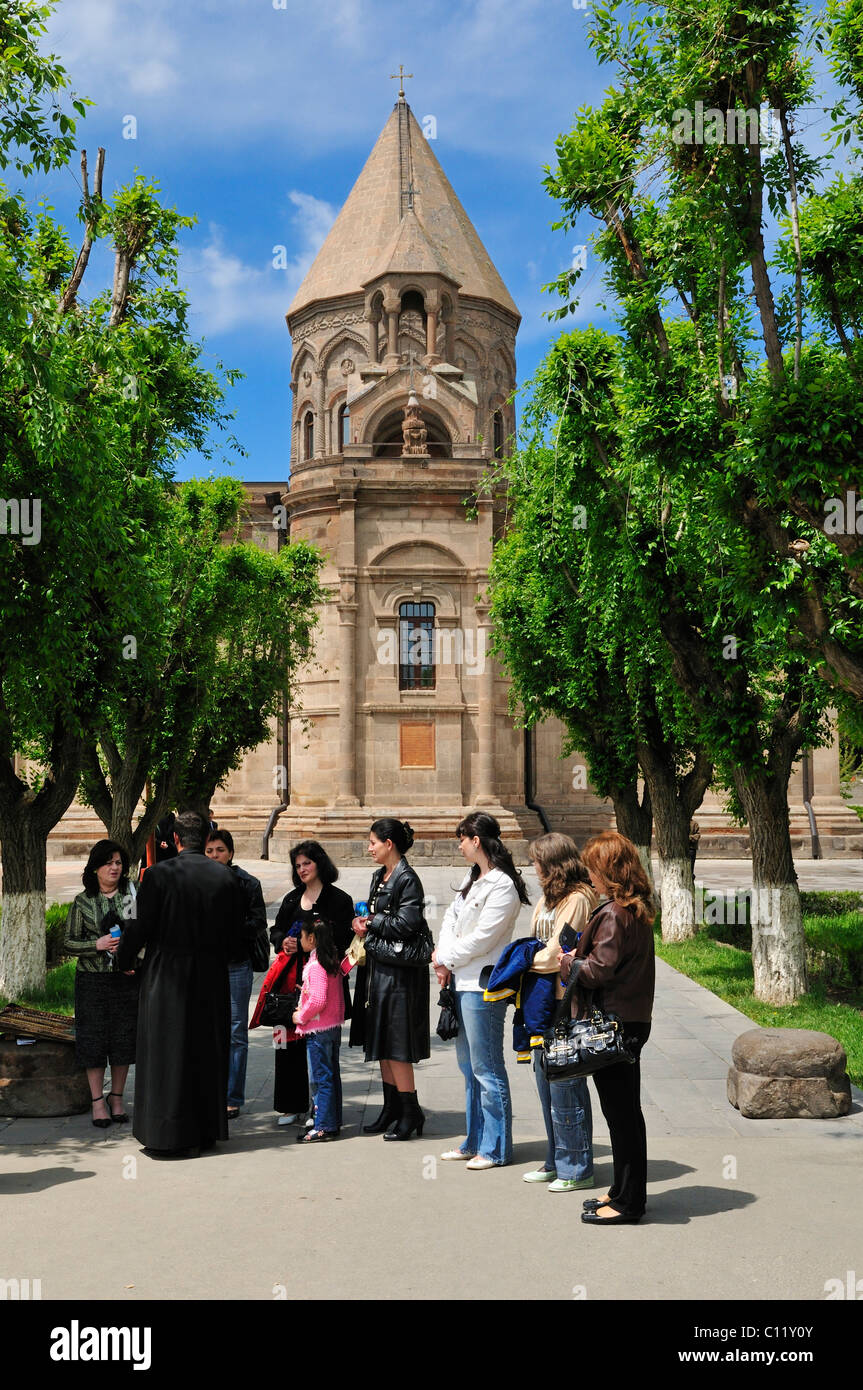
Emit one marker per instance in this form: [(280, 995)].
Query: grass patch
[(58, 996), (727, 972)]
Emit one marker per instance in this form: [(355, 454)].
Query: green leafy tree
[(721, 425), (575, 648), (97, 401), (227, 624)]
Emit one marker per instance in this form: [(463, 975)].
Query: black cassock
[(190, 914)]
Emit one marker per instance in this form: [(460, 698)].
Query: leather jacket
[(398, 914)]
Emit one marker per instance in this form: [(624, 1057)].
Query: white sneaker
[(288, 1119), (478, 1163), (455, 1154)]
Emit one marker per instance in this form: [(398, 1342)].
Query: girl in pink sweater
[(319, 1018)]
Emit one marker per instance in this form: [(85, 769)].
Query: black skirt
[(106, 1018), (391, 1013)]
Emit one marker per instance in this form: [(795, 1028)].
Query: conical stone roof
[(401, 176)]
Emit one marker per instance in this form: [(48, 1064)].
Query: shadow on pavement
[(680, 1207), (39, 1180)]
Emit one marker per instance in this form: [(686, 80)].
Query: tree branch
[(91, 208)]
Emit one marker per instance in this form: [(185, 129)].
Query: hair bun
[(409, 834)]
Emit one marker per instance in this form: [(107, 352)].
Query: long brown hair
[(615, 860), (561, 865)]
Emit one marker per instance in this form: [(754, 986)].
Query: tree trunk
[(778, 944), (635, 820), (674, 799), (22, 935), (671, 824)]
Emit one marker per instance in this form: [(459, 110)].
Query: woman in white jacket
[(477, 926)]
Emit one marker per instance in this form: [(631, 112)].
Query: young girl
[(319, 1018)]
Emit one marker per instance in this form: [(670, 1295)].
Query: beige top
[(547, 924)]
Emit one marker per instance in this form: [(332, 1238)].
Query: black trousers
[(619, 1089), (291, 1089)]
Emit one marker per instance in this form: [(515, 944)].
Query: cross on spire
[(400, 77)]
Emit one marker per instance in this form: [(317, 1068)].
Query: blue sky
[(258, 119), (256, 116)]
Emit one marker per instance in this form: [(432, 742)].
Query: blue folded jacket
[(535, 1001)]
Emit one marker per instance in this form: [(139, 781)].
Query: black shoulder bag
[(582, 1046), (278, 1009)]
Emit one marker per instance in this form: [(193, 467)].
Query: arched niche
[(388, 440)]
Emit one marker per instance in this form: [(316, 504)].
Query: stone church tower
[(404, 360)]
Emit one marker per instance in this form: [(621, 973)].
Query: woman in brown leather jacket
[(615, 955)]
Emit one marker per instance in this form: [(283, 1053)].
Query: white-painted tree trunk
[(22, 944), (678, 907), (646, 863), (778, 943)]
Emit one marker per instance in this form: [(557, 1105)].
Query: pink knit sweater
[(322, 999)]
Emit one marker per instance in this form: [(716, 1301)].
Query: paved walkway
[(737, 1208)]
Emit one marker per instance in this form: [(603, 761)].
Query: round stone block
[(41, 1079), (788, 1073)]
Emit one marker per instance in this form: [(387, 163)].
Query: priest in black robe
[(190, 915)]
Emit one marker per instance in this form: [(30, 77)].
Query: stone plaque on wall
[(416, 745)]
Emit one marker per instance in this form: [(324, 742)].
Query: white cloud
[(227, 293), (212, 72)]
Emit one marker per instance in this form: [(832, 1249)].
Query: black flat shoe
[(100, 1124), (592, 1218), (593, 1203), (122, 1118)]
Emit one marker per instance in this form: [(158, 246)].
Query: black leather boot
[(412, 1118), (388, 1115)]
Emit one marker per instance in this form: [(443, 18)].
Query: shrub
[(830, 904)]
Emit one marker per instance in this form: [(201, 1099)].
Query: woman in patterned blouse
[(106, 1001)]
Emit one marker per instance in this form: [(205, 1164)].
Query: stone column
[(320, 410), (347, 795), (484, 791), (347, 610), (431, 333), (484, 794)]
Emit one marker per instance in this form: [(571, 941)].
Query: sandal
[(314, 1136), (122, 1118)]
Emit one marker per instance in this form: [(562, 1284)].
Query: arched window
[(416, 646), (344, 432), (309, 435), (498, 435), (413, 302)]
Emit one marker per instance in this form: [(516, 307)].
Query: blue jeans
[(479, 1049), (568, 1123), (325, 1078), (240, 977)]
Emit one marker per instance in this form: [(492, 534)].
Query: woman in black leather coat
[(391, 1002)]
